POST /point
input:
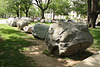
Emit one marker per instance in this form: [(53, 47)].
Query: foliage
[(43, 5), (14, 6), (11, 45), (25, 6), (46, 52), (3, 7), (80, 6), (67, 17), (34, 12), (60, 7)]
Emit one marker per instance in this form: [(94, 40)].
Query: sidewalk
[(92, 61)]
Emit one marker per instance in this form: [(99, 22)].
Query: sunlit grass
[(2, 18), (13, 43), (96, 34)]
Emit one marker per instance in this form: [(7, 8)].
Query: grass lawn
[(2, 18), (11, 46), (96, 34)]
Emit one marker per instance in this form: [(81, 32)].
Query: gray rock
[(66, 39), (28, 29), (12, 22), (22, 23), (43, 20), (40, 30), (26, 18)]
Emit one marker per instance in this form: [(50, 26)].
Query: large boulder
[(28, 29), (22, 23), (40, 30), (12, 21), (66, 39)]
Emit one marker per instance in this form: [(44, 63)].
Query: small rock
[(43, 20), (28, 29), (22, 23), (12, 22)]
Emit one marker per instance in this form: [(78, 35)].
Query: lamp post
[(19, 10)]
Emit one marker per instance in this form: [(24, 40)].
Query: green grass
[(11, 45), (2, 18), (96, 34)]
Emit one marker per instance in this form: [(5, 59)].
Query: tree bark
[(53, 15), (89, 12), (26, 14), (92, 12), (39, 3), (17, 13), (93, 18), (42, 14)]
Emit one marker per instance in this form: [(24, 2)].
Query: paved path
[(3, 21), (93, 61)]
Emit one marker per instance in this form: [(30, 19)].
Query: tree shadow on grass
[(11, 31), (10, 54)]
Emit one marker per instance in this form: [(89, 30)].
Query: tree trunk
[(42, 14), (93, 18), (2, 16), (89, 12), (17, 13), (26, 13), (53, 15), (92, 12), (5, 16)]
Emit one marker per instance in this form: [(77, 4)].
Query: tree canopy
[(25, 6), (59, 7), (80, 6), (3, 8), (43, 5)]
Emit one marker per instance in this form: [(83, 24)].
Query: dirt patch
[(42, 60), (36, 52)]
